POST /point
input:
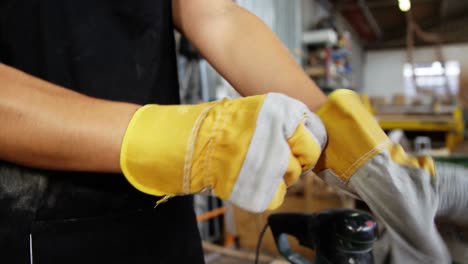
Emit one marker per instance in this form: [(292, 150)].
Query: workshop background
[(408, 59)]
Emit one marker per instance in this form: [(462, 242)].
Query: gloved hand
[(400, 190), (245, 150)]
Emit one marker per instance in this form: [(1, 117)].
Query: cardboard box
[(399, 99)]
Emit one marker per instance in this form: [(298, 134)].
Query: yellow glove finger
[(304, 147), (293, 171), (279, 197)]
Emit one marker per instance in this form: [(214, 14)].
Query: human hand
[(400, 190), (245, 150)]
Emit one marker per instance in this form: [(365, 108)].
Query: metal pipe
[(391, 3), (368, 15)]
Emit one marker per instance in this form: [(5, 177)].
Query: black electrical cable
[(260, 238)]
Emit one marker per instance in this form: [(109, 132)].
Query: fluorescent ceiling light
[(404, 5)]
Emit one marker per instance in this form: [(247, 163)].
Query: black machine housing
[(337, 236)]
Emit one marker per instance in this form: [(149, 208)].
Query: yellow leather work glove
[(400, 190), (245, 150)]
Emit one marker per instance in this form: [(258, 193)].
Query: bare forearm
[(246, 52), (47, 126)]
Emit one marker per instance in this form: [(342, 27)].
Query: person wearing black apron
[(114, 57), (115, 50)]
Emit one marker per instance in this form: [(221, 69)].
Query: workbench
[(450, 124)]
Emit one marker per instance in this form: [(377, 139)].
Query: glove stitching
[(358, 162), (191, 148), (210, 144), (215, 144)]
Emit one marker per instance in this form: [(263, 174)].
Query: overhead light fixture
[(404, 5)]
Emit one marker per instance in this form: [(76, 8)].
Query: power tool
[(337, 236)]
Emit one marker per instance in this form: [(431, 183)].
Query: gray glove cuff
[(452, 186)]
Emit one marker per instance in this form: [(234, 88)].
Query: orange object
[(229, 240), (211, 214)]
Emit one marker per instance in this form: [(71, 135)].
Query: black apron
[(112, 49)]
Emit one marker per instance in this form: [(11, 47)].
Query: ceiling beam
[(431, 24), (385, 3), (443, 9), (451, 31), (452, 38), (401, 31), (358, 15), (370, 18)]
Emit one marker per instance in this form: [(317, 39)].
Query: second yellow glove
[(399, 189)]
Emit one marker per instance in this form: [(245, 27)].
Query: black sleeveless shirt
[(111, 49)]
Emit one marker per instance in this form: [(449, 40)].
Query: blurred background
[(408, 59)]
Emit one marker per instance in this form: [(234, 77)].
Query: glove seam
[(188, 159), (211, 145), (372, 152)]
